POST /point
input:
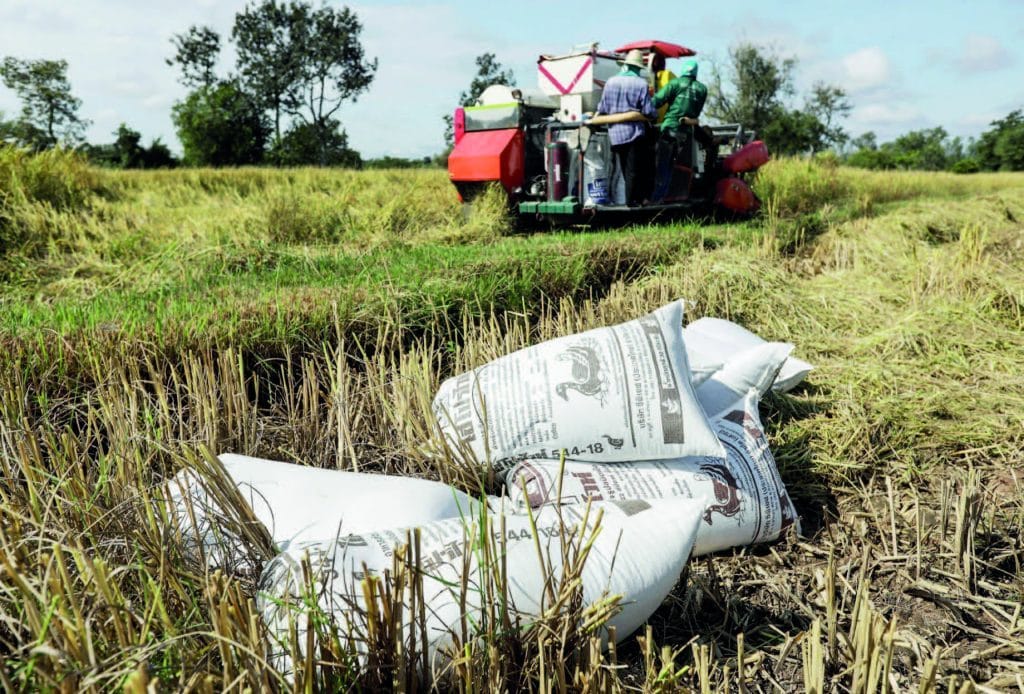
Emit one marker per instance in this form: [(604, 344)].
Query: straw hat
[(635, 58)]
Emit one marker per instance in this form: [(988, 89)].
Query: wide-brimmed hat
[(635, 58)]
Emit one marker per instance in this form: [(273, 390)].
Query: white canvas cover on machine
[(613, 394)]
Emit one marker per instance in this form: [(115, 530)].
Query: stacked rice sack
[(473, 569), (298, 505), (641, 410), (651, 428)]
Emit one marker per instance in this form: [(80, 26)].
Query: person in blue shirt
[(627, 95)]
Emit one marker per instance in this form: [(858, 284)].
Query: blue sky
[(905, 65)]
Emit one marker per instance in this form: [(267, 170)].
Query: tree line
[(297, 65), (1000, 148), (755, 87)]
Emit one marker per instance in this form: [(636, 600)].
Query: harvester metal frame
[(518, 157)]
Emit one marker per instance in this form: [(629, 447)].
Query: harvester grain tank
[(554, 164)]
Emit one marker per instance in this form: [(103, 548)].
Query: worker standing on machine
[(626, 105), (685, 97), (662, 77)]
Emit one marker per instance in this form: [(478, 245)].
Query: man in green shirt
[(685, 97)]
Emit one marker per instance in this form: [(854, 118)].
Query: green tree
[(333, 70), (128, 147), (754, 89), (268, 37), (488, 71), (8, 130), (49, 112), (295, 62), (930, 149), (390, 162), (195, 53), (158, 156), (751, 88), (127, 152), (792, 131), (922, 150), (828, 104), (305, 143), (867, 140), (221, 125), (864, 153), (866, 158), (967, 165), (1002, 146), (1010, 150)]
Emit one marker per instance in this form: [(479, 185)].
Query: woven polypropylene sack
[(741, 495), (638, 553), (755, 368), (612, 394), (712, 342), (297, 503)]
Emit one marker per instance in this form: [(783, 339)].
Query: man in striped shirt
[(627, 93)]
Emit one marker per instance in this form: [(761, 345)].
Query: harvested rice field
[(151, 320)]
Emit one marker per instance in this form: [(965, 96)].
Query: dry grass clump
[(66, 227), (58, 177), (361, 209), (37, 191), (796, 185)]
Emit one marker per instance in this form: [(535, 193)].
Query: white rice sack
[(713, 342), (742, 498), (298, 503), (755, 368), (606, 395), (638, 553)]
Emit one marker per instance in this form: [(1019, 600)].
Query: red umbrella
[(669, 50)]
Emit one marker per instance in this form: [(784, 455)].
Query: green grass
[(310, 315), (251, 256)]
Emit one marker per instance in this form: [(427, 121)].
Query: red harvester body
[(554, 166)]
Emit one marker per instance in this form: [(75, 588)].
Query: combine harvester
[(556, 167)]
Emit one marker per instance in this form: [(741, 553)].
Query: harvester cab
[(555, 165)]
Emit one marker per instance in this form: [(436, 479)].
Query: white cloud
[(115, 52), (884, 114), (866, 70), (887, 120), (980, 53), (162, 102), (426, 59), (979, 120)]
